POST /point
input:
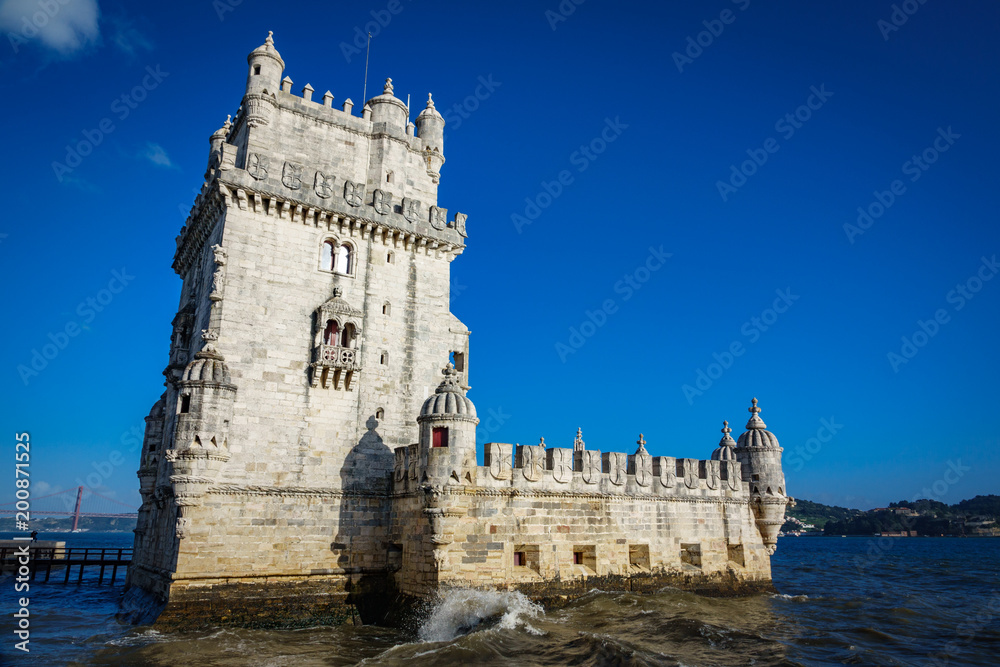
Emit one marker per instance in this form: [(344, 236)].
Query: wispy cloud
[(64, 28), (127, 37), (157, 155)]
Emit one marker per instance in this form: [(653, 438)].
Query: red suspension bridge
[(76, 502)]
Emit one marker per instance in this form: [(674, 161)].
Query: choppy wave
[(461, 610)]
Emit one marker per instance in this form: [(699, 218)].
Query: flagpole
[(364, 95)]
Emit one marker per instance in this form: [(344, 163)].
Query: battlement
[(535, 468)]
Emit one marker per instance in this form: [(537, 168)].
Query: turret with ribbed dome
[(725, 451), (760, 454), (263, 82), (388, 109), (205, 396), (430, 128), (448, 432)]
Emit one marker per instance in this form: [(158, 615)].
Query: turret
[(430, 128), (204, 409), (447, 425), (760, 454), (263, 81), (386, 108), (215, 143)]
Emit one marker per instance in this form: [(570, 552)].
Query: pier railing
[(44, 559)]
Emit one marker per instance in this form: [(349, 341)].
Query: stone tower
[(313, 320)]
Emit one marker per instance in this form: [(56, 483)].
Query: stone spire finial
[(642, 444), (449, 370), (541, 443), (387, 90), (270, 38), (725, 426), (755, 421), (578, 444), (430, 101)]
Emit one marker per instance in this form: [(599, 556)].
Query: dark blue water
[(894, 601)]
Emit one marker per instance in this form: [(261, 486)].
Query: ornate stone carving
[(354, 193), (643, 464), (460, 219), (183, 525), (733, 471), (219, 276), (412, 457), (291, 175), (439, 217), (323, 184), (667, 471), (532, 462), (382, 202), (591, 466), (411, 209), (399, 468), (690, 473), (257, 165), (500, 461), (713, 476), (561, 464), (615, 464)]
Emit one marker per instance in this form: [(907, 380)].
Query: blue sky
[(739, 138)]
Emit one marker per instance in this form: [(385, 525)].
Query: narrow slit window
[(345, 259), (185, 404), (328, 256)]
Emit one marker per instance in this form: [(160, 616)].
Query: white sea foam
[(459, 610), (793, 598)]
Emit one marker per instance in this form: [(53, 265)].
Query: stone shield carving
[(667, 471), (532, 462), (591, 466), (382, 202), (500, 459), (713, 475), (411, 209), (257, 166), (460, 219), (354, 193), (399, 469), (643, 469), (561, 464), (616, 464), (439, 217), (291, 176), (690, 473), (323, 184)]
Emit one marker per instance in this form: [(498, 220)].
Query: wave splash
[(459, 611)]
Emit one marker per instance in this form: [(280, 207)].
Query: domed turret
[(448, 433), (430, 128), (266, 67), (263, 82), (386, 108), (725, 451), (759, 453)]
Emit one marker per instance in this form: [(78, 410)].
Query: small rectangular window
[(185, 404), (256, 69), (519, 560), (440, 436), (577, 558)]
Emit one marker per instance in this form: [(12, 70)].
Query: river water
[(864, 601)]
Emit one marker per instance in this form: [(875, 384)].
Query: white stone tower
[(759, 452)]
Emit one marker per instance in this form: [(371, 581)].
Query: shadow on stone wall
[(362, 529)]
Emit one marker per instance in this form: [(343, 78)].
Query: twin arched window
[(334, 335), (337, 258)]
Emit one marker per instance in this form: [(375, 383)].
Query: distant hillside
[(979, 516), (817, 514)]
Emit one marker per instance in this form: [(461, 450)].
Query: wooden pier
[(43, 558)]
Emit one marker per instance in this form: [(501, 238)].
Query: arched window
[(380, 414), (389, 257), (386, 308), (345, 259), (328, 255), (330, 333), (347, 337)]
